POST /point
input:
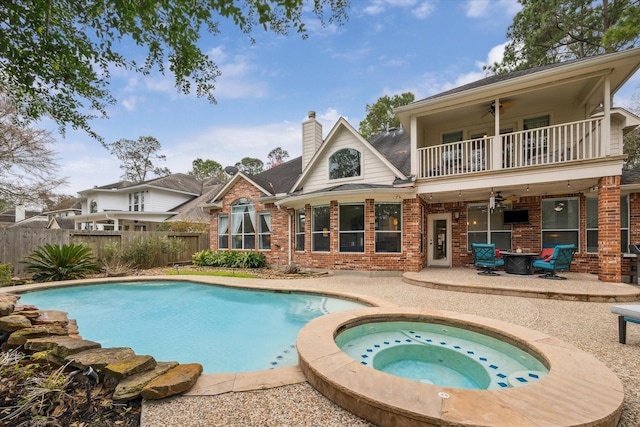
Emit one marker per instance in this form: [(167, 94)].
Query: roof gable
[(342, 125)]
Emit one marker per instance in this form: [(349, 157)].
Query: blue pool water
[(224, 329), (440, 354)]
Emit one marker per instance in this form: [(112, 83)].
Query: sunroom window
[(345, 163), (320, 235), (485, 226), (243, 229), (560, 222), (351, 228), (388, 233), (223, 231)]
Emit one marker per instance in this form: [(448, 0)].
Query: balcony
[(549, 145)]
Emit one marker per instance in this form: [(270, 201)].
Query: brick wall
[(610, 258)]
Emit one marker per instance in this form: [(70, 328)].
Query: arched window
[(345, 163), (243, 227)]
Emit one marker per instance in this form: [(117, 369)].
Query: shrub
[(229, 259), (50, 263), (5, 274), (142, 251)]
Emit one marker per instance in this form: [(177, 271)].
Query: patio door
[(439, 240)]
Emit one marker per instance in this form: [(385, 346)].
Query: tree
[(549, 31), (277, 156), (203, 169), (631, 142), (380, 116), (250, 165), (27, 165), (56, 57), (138, 158)]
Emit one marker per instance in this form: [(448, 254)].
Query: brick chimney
[(311, 138)]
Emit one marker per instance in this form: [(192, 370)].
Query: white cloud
[(423, 10), (130, 103), (477, 8), (495, 54), (419, 9)]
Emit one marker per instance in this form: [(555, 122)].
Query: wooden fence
[(15, 243)]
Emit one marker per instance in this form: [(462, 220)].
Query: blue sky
[(267, 88)]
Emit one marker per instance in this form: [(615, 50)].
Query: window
[(351, 228), (136, 201), (320, 229), (624, 223), (223, 232), (264, 230), (592, 224), (243, 230), (344, 163), (484, 226), (560, 222), (451, 154), (93, 207), (388, 232), (536, 140), (300, 229)]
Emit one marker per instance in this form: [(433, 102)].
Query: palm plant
[(51, 263)]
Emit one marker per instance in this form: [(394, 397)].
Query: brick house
[(418, 196)]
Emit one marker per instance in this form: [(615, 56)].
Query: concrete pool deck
[(585, 324)]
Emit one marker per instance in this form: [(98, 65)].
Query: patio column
[(496, 146), (609, 254), (414, 147), (605, 143)]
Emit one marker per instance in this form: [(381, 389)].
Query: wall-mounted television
[(516, 216)]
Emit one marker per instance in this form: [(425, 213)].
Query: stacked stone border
[(49, 335)]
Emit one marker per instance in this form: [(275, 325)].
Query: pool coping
[(219, 383), (579, 389)]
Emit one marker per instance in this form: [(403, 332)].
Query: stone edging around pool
[(579, 389), (213, 384)]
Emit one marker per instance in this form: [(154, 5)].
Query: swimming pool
[(225, 329)]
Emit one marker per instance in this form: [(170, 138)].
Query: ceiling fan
[(492, 108)]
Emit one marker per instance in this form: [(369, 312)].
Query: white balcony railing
[(541, 146)]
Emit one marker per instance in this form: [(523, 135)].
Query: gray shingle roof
[(395, 146), (281, 178), (630, 176)]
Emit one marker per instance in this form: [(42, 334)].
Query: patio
[(582, 318)]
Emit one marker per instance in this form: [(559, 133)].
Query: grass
[(210, 273)]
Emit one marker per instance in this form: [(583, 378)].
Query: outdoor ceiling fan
[(492, 108)]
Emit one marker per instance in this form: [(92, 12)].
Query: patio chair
[(486, 259), (559, 261)]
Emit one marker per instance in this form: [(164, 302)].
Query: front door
[(439, 240)]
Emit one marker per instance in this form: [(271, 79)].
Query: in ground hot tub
[(441, 354), (564, 385)]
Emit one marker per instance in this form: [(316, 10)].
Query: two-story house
[(524, 160), (143, 206)]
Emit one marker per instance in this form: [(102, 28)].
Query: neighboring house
[(10, 217), (59, 218), (524, 160), (143, 206)]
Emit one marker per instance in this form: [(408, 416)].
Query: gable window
[(320, 233), (560, 222), (264, 230), (223, 232), (243, 229), (300, 229), (485, 226), (136, 201), (351, 228), (93, 207), (345, 163), (388, 232)]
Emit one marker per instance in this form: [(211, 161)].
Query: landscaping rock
[(14, 322), (100, 357), (6, 308), (20, 337), (175, 381), (130, 388), (131, 366), (61, 346), (51, 317)]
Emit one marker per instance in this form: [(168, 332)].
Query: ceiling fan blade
[(485, 114)]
